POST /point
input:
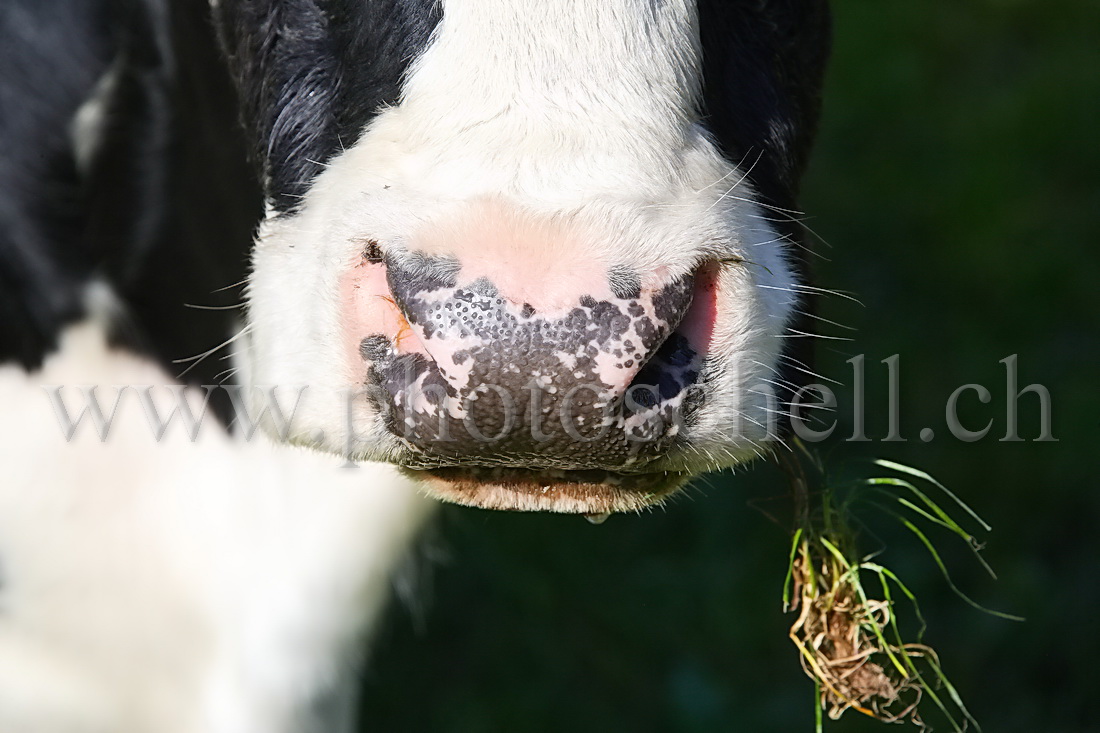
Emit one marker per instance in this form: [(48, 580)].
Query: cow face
[(534, 253)]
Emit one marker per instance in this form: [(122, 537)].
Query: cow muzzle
[(541, 384)]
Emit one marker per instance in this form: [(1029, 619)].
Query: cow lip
[(592, 492)]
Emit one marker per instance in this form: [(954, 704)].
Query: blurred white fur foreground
[(177, 587)]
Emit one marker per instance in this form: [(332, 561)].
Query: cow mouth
[(591, 492)]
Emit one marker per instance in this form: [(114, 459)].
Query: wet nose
[(591, 375)]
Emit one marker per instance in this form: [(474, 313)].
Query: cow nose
[(587, 374)]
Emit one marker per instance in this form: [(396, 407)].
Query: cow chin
[(593, 493)]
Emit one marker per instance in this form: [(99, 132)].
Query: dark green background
[(955, 179)]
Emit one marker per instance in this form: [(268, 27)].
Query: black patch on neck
[(312, 73)]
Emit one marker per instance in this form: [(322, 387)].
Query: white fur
[(561, 109), (177, 587)]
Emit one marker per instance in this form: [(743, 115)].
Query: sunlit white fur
[(562, 109), (177, 587)]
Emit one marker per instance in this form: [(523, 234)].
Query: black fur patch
[(313, 73)]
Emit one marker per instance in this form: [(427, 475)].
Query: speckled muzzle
[(473, 379)]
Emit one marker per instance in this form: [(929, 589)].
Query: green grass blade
[(787, 582), (943, 516), (947, 577), (901, 468), (953, 693), (819, 725), (884, 646), (908, 594), (971, 542), (930, 692)]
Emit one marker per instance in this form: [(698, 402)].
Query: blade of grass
[(905, 590), (971, 541), (947, 577), (952, 692), (944, 517), (787, 582), (818, 723), (900, 468)]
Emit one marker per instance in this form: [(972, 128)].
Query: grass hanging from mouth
[(847, 634)]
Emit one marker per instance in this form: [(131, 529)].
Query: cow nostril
[(670, 371)]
